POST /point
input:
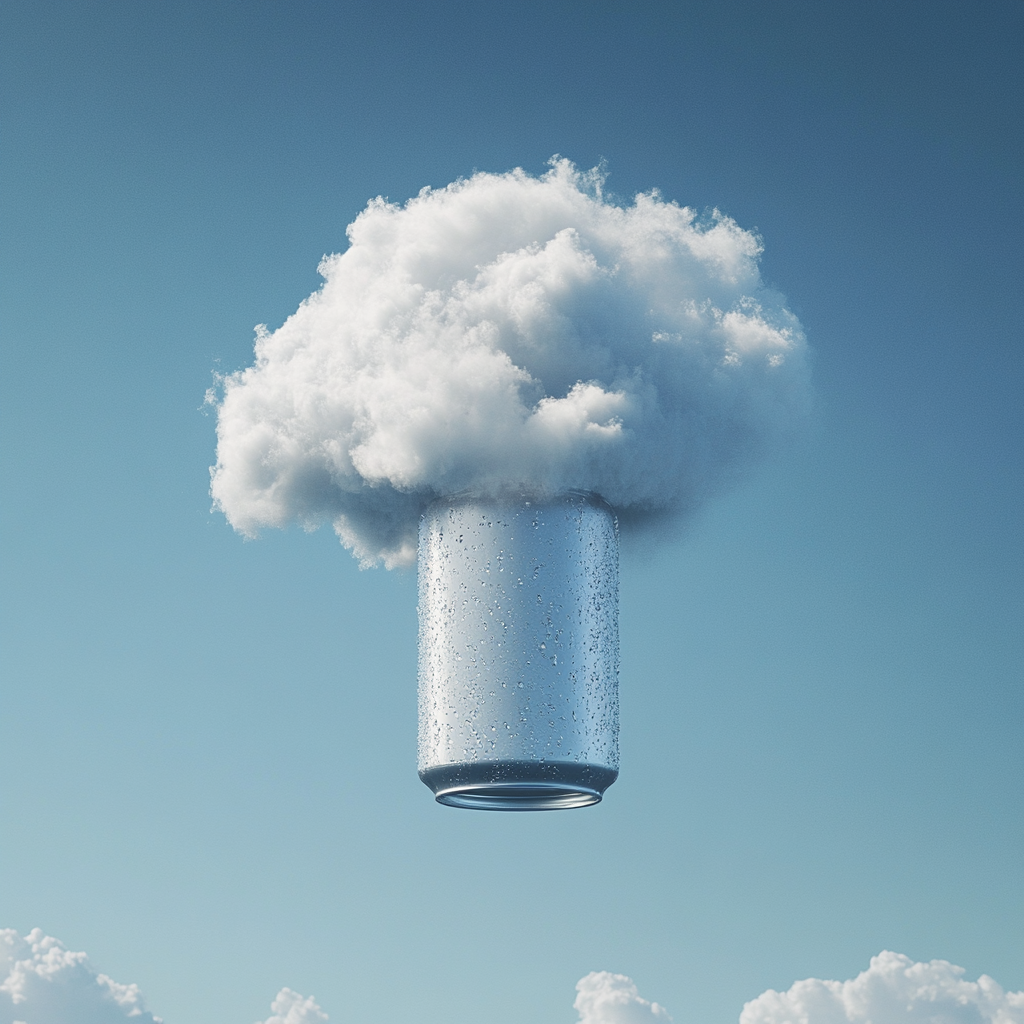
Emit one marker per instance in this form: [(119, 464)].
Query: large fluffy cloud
[(893, 990), (511, 334)]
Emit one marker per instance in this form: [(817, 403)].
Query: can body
[(518, 652)]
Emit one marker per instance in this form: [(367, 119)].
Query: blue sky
[(209, 744)]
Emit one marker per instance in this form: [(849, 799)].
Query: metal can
[(518, 652)]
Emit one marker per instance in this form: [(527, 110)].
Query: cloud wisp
[(511, 334)]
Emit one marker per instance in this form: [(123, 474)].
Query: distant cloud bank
[(42, 982)]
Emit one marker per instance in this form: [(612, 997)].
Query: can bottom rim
[(518, 796), (518, 785)]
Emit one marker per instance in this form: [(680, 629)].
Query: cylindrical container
[(519, 652)]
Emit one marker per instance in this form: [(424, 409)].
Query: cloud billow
[(606, 998), (893, 990), (510, 334), (289, 1007), (41, 982)]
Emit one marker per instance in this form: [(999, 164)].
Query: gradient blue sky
[(209, 744)]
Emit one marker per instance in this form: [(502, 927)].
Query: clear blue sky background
[(209, 745)]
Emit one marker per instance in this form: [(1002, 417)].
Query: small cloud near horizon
[(606, 998), (291, 1008)]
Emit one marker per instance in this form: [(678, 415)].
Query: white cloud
[(511, 334), (893, 990), (605, 998), (44, 983), (291, 1008)]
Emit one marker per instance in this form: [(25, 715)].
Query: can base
[(518, 785)]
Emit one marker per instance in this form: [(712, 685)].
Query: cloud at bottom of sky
[(45, 983), (893, 990), (606, 998), (42, 982), (289, 1007)]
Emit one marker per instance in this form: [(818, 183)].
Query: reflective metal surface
[(519, 651)]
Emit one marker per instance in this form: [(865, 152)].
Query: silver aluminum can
[(518, 652)]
